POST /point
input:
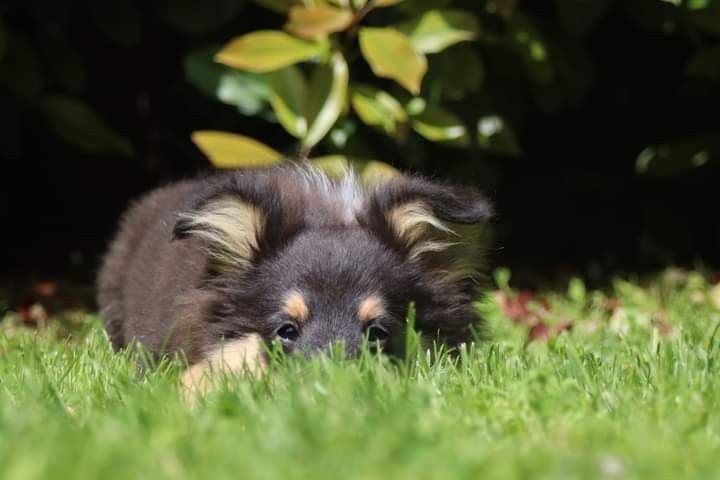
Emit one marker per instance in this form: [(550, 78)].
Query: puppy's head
[(306, 261)]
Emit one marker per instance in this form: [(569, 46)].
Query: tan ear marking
[(412, 223), (242, 356), (453, 251), (370, 308), (230, 226), (296, 307)]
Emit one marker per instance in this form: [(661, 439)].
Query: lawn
[(572, 384)]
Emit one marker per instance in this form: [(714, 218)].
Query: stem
[(354, 26), (359, 16)]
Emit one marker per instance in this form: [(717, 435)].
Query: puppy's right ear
[(238, 216), (439, 225)]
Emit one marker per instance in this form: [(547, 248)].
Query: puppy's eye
[(287, 332), (377, 334)]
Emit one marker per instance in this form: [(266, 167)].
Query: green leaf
[(439, 125), (496, 136), (317, 21), (328, 97), (76, 123), (288, 98), (387, 3), (377, 108), (247, 91), (229, 150), (391, 55), (268, 50), (436, 30), (443, 72)]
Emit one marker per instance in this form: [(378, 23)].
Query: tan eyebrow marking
[(370, 309), (296, 307)]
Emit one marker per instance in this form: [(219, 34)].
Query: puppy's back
[(145, 272)]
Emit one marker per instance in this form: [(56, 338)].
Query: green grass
[(613, 398)]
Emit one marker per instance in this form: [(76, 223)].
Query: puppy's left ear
[(238, 216), (437, 224)]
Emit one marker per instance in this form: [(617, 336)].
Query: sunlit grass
[(629, 392)]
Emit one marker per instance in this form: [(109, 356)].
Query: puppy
[(216, 268)]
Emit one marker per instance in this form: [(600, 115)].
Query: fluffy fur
[(244, 258)]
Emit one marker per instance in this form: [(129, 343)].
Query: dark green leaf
[(247, 91), (76, 123), (496, 136), (443, 71)]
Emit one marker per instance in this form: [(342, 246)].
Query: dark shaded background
[(573, 202)]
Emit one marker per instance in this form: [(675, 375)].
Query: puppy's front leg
[(235, 357)]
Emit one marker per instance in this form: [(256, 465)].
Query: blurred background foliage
[(593, 124)]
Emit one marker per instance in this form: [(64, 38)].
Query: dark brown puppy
[(217, 267)]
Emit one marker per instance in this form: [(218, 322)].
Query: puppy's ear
[(436, 224), (238, 216)]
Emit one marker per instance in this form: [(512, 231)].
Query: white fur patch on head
[(231, 228), (343, 197), (237, 357)]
